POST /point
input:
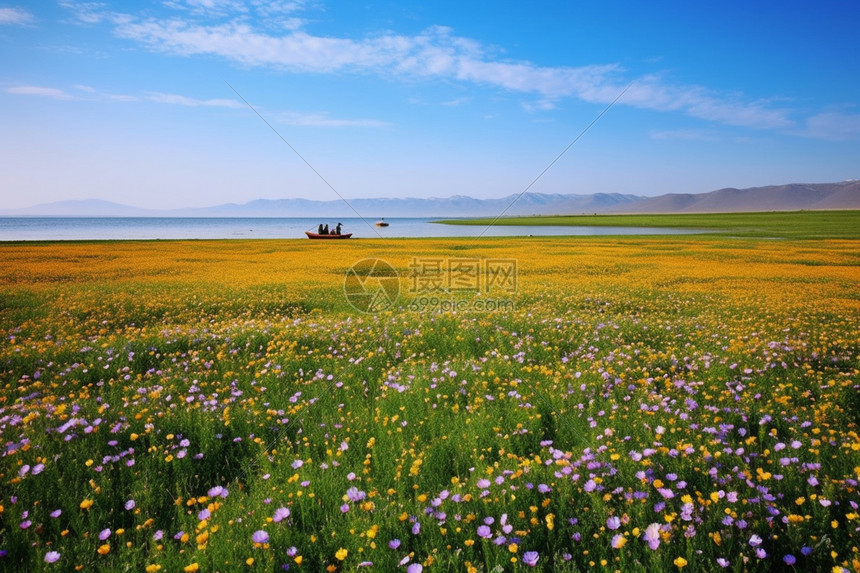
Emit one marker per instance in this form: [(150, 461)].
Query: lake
[(106, 228)]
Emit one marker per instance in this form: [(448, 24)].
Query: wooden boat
[(318, 236)]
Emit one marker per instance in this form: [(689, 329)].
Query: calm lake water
[(89, 228)]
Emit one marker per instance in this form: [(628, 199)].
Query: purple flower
[(297, 464), (218, 491), (52, 556), (789, 559), (416, 529), (104, 534), (755, 540), (394, 543), (530, 558), (415, 568), (344, 508), (613, 522), (652, 536), (355, 494), (55, 514), (204, 514), (722, 562), (281, 514), (129, 505), (260, 536), (806, 551), (292, 552), (484, 531)]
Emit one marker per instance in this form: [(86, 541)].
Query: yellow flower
[(104, 549), (298, 559), (341, 554), (153, 568), (680, 562), (192, 568), (513, 547), (86, 504), (249, 561)]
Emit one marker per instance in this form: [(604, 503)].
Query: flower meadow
[(651, 404)]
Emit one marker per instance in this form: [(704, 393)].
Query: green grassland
[(793, 224)]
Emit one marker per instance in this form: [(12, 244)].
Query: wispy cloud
[(224, 28), (89, 93), (836, 126), (456, 102), (322, 120), (15, 16), (439, 53), (192, 102), (39, 91), (685, 135)]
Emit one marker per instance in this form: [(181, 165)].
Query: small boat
[(318, 236), (381, 223)]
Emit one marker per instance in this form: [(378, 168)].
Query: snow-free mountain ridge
[(790, 197)]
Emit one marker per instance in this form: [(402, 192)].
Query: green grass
[(793, 224)]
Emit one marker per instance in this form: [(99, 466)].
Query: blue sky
[(129, 101)]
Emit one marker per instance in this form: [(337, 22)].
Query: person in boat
[(320, 229), (325, 230), (337, 229)]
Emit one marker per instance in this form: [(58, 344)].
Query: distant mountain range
[(792, 197)]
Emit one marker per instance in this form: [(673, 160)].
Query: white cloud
[(438, 53), (40, 91), (685, 135), (434, 53), (16, 16), (192, 102), (322, 120), (652, 92), (217, 8), (837, 126), (289, 118), (456, 102), (87, 12)]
